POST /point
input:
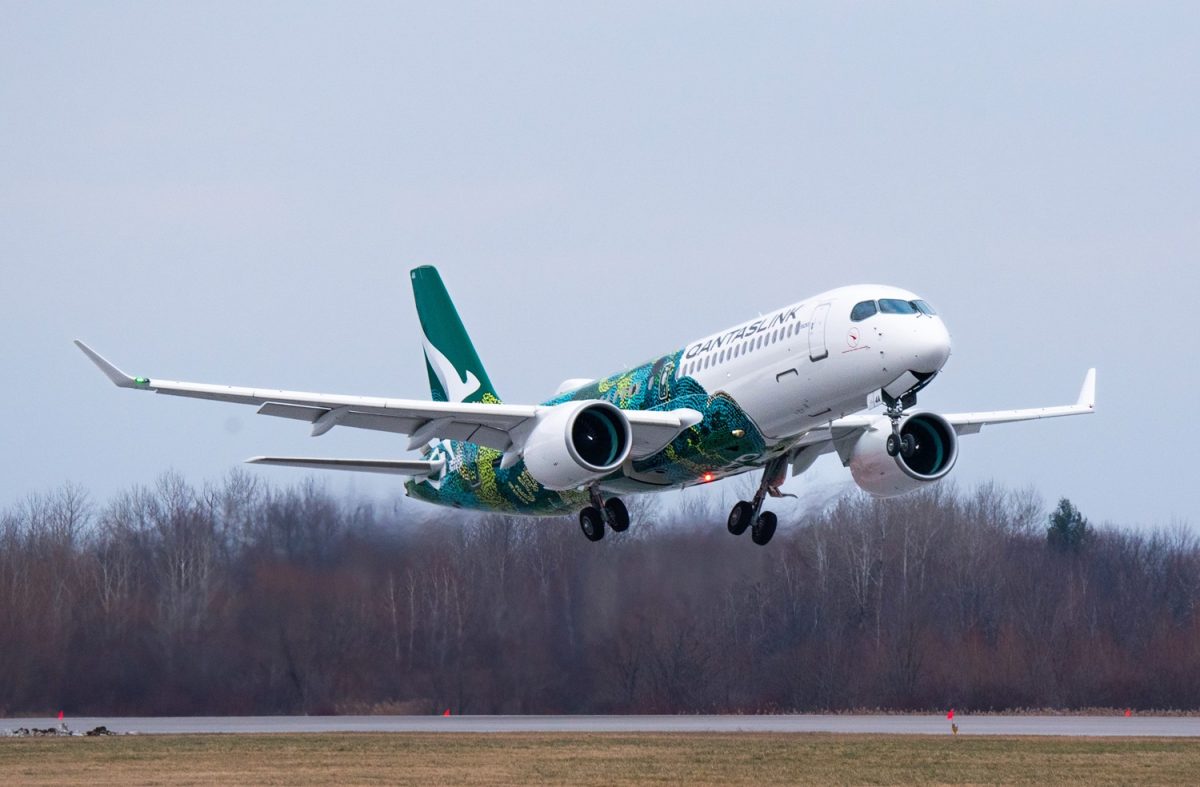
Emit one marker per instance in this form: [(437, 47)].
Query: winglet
[(1087, 394), (119, 378)]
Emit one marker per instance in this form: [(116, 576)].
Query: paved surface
[(909, 725)]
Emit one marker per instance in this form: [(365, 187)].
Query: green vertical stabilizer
[(455, 372)]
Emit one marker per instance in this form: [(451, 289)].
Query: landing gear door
[(816, 333)]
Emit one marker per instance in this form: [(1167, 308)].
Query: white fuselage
[(809, 363)]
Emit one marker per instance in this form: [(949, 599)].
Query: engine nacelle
[(886, 476), (577, 442)]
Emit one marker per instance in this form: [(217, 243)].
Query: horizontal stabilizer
[(409, 467)]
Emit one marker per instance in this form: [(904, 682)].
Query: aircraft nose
[(934, 346), (921, 345)]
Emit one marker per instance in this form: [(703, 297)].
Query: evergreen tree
[(1069, 531)]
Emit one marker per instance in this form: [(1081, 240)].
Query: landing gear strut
[(601, 512), (898, 444), (746, 513)]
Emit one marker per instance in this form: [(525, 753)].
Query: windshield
[(896, 306)]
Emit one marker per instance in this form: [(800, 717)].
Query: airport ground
[(595, 759)]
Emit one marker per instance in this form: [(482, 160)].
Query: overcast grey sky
[(234, 192)]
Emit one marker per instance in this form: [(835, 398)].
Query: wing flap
[(293, 411)]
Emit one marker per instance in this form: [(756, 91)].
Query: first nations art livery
[(770, 394)]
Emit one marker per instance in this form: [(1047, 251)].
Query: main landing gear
[(746, 513), (611, 512)]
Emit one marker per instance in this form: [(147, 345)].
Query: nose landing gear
[(746, 513), (898, 444)]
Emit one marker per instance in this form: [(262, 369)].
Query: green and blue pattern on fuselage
[(725, 441)]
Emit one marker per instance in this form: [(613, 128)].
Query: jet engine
[(575, 443), (885, 476)]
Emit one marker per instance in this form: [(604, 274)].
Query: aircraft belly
[(728, 440)]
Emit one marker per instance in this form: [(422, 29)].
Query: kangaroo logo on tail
[(455, 372), (455, 388)]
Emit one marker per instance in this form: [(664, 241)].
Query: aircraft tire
[(764, 528), (616, 515), (740, 517), (893, 445), (591, 522), (908, 446)]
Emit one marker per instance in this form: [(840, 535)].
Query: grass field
[(595, 759)]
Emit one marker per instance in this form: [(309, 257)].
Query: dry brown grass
[(593, 759)]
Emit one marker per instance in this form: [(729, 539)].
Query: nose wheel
[(901, 445), (747, 514)]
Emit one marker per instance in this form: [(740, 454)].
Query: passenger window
[(924, 308), (896, 306), (862, 311)]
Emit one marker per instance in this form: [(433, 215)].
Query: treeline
[(241, 598)]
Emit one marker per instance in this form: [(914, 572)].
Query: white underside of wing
[(491, 425), (970, 423), (843, 430)]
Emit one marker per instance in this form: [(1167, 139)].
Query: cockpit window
[(896, 306), (924, 308), (862, 311)]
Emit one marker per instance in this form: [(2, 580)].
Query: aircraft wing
[(491, 425), (971, 423), (842, 432)]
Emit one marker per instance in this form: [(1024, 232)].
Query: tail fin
[(455, 372)]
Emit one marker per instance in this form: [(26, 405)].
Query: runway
[(1099, 726)]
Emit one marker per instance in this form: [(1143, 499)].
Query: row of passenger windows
[(739, 349), (862, 311)]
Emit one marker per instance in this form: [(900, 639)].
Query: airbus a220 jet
[(835, 373)]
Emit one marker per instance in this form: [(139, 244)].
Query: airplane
[(771, 393)]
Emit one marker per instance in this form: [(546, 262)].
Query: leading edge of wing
[(1085, 404), (408, 467), (422, 420), (503, 413), (963, 423)]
